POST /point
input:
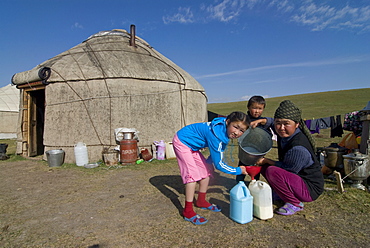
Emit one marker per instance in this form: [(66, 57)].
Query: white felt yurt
[(112, 80), (9, 111)]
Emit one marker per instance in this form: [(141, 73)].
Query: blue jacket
[(212, 135)]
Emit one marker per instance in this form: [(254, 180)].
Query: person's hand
[(260, 161), (254, 124), (244, 171), (264, 161)]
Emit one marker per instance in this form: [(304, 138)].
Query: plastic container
[(145, 154), (161, 149), (262, 199), (81, 155), (128, 151), (241, 204), (170, 152), (55, 158)]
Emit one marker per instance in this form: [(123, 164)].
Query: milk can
[(241, 204), (262, 199), (81, 154), (128, 151)]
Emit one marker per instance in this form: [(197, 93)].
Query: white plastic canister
[(241, 204), (262, 199), (81, 154)]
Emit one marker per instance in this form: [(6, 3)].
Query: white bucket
[(262, 199), (81, 154)]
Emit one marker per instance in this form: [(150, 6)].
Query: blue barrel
[(241, 204)]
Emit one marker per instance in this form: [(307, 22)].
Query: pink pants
[(192, 164)]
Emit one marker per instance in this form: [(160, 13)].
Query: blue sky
[(234, 48)]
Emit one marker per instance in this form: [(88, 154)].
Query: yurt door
[(36, 110)]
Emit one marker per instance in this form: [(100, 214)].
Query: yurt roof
[(108, 54), (9, 98)]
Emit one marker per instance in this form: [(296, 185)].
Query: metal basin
[(253, 145)]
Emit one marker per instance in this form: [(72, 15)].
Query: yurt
[(112, 80), (9, 111)]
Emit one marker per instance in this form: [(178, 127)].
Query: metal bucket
[(55, 158), (253, 145), (110, 157)]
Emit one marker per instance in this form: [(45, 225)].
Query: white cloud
[(315, 14), (320, 17), (335, 61), (77, 25), (228, 9), (184, 15), (247, 97), (282, 5)]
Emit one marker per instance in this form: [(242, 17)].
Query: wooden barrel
[(128, 151)]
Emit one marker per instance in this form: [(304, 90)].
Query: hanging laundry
[(324, 123), (352, 123), (321, 123), (312, 131), (336, 126)]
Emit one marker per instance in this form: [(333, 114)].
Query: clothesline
[(351, 123)]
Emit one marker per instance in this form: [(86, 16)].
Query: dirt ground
[(139, 206)]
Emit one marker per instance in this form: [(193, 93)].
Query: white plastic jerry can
[(262, 199), (81, 155), (241, 204)]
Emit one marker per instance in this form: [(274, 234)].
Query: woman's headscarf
[(287, 110)]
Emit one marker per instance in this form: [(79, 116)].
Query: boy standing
[(256, 105)]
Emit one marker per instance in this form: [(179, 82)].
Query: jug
[(81, 154), (262, 199), (161, 149), (241, 204)]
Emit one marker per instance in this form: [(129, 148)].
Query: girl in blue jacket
[(193, 166)]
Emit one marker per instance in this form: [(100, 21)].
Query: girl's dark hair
[(238, 116), (256, 99)]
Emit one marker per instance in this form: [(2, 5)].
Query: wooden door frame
[(32, 143)]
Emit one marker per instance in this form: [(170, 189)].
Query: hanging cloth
[(315, 128), (336, 126), (352, 123)]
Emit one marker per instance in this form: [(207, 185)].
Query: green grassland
[(314, 105)]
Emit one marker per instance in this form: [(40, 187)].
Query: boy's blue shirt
[(212, 135)]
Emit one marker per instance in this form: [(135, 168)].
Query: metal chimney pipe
[(132, 35)]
